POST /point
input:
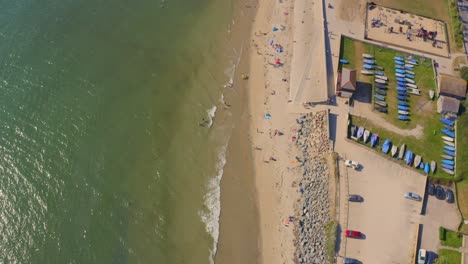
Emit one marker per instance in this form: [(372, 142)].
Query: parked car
[(353, 234), (422, 255), (431, 189), (351, 261), (440, 193), (352, 164), (431, 257), (450, 196), (355, 198), (413, 196)]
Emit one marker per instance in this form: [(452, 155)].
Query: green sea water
[(102, 159)]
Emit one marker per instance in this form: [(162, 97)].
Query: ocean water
[(102, 158)]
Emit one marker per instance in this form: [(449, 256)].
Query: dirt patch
[(351, 10), (358, 51)]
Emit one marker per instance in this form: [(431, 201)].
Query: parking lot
[(387, 219)]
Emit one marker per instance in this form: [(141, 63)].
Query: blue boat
[(409, 157), (399, 71), (449, 148), (450, 153), (397, 62), (404, 108), (399, 88), (344, 61), (427, 168), (380, 85), (407, 75), (421, 165), (448, 133), (413, 61), (400, 79), (408, 67), (369, 61), (397, 58), (399, 67), (403, 117), (380, 97), (401, 97), (379, 73), (401, 92), (449, 162), (450, 167), (446, 121), (386, 146), (400, 83), (368, 67), (373, 140), (381, 92), (403, 103)]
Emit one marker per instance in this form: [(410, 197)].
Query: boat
[(403, 93), (379, 68), (367, 56), (446, 166), (380, 85), (400, 79), (446, 157), (446, 121), (381, 109), (367, 72), (368, 67), (403, 117), (399, 71), (414, 61), (365, 137), (409, 158), (417, 161), (404, 108), (397, 62), (401, 112), (433, 166), (399, 75), (360, 132), (451, 172), (427, 168), (403, 103), (449, 139), (448, 133), (394, 150), (449, 128), (386, 146), (414, 91), (381, 92), (401, 153), (374, 139), (401, 98), (381, 88), (344, 61), (407, 75), (421, 165), (369, 61), (450, 153), (353, 131), (399, 88), (399, 67), (409, 67), (399, 58), (381, 103), (431, 94), (379, 97), (448, 143), (383, 77), (410, 62), (378, 72), (412, 85), (401, 83), (449, 162), (409, 80), (380, 81), (450, 148)]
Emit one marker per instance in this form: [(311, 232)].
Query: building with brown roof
[(346, 82), (452, 86), (448, 105)]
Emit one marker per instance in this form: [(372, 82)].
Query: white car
[(422, 255), (351, 163), (413, 196)]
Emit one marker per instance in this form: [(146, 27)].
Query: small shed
[(347, 82), (448, 105), (452, 86)]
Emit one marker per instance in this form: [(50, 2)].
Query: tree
[(464, 73)]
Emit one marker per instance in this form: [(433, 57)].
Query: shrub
[(464, 73), (442, 233)]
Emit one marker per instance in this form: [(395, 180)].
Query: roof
[(448, 104), (452, 85), (348, 79)]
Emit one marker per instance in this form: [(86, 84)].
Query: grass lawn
[(462, 167), (452, 239), (451, 257)]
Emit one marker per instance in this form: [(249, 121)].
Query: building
[(346, 85), (448, 105), (452, 86)]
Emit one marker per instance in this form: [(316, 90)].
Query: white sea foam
[(211, 113), (210, 216)]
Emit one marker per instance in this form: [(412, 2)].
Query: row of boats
[(380, 81), (449, 152), (404, 73)]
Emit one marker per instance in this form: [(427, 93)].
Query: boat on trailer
[(414, 91)]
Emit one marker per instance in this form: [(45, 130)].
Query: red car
[(353, 234)]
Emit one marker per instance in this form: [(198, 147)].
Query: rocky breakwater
[(312, 210)]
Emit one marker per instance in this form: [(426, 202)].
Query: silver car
[(413, 196)]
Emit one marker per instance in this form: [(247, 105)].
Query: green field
[(449, 256), (452, 239)]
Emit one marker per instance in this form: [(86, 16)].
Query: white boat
[(366, 135), (394, 150), (431, 94), (417, 161), (366, 72), (400, 75), (381, 77), (412, 85), (409, 66), (409, 80), (414, 91), (448, 143), (433, 166), (449, 139), (410, 72), (367, 56), (401, 153), (380, 81), (451, 172), (401, 112), (411, 62)]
